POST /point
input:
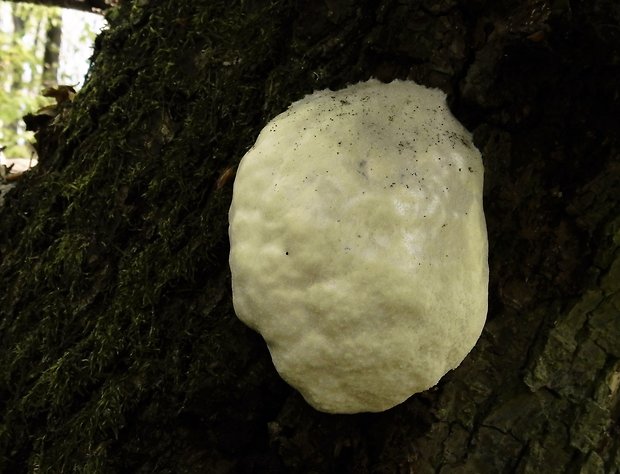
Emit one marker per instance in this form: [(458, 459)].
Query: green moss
[(114, 256)]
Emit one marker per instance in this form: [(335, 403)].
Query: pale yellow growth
[(359, 246)]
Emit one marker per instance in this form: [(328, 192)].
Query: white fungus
[(359, 246)]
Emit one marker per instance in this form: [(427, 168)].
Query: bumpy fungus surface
[(359, 246)]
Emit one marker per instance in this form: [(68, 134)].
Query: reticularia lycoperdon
[(359, 245)]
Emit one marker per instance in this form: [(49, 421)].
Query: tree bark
[(120, 350)]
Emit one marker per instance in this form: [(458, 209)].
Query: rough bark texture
[(120, 351)]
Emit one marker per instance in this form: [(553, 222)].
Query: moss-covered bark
[(119, 349)]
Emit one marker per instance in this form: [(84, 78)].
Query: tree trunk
[(17, 71), (120, 350), (90, 6), (51, 53)]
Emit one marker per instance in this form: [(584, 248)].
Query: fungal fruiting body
[(359, 245)]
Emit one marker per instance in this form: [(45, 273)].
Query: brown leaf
[(62, 93)]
